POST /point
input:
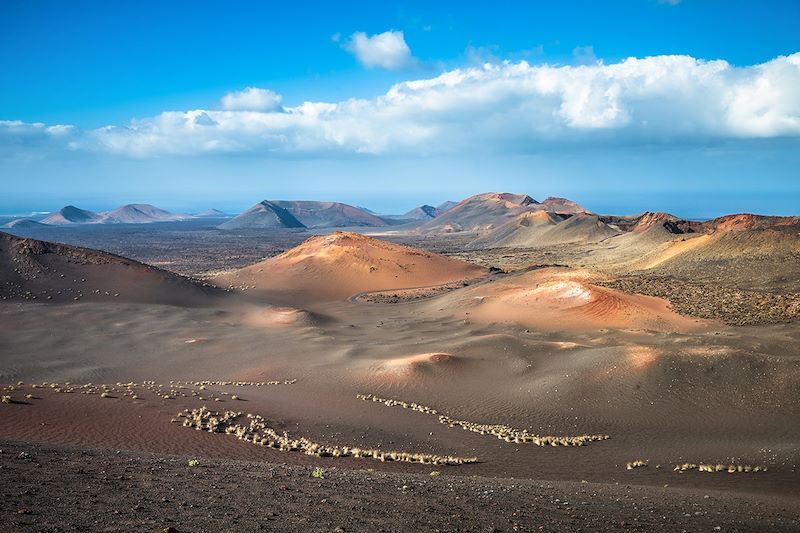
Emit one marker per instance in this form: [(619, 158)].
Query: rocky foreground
[(52, 488)]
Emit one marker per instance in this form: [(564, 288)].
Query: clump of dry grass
[(502, 432), (258, 432), (718, 467), (635, 464)]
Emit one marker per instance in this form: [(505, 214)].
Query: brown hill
[(47, 272), (480, 213), (560, 299), (342, 264), (752, 259), (562, 205), (643, 221), (541, 228), (484, 212), (745, 221)]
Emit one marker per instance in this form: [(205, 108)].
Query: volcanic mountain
[(25, 223), (445, 206), (519, 231), (562, 205), (648, 219), (308, 214), (484, 212), (423, 212), (342, 264), (37, 270), (329, 214), (140, 214), (73, 215), (263, 215), (745, 221), (211, 213), (480, 212)]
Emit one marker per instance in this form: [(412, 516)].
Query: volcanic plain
[(506, 365)]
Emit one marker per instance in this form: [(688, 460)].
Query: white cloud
[(384, 50), (251, 99), (491, 108)]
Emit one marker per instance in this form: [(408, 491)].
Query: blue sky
[(577, 120)]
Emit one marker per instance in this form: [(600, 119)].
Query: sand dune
[(342, 264), (557, 299), (48, 272), (670, 251), (417, 366)]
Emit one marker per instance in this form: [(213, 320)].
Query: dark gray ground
[(111, 491)]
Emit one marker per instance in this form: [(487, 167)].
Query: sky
[(689, 106)]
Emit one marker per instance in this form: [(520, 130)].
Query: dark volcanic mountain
[(329, 214), (37, 270), (73, 215), (263, 215), (308, 214), (423, 212)]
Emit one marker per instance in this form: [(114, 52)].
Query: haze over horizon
[(678, 106)]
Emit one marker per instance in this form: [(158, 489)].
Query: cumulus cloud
[(34, 139), (491, 108), (251, 99), (384, 50)]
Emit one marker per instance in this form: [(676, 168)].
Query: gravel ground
[(735, 307), (53, 488)]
